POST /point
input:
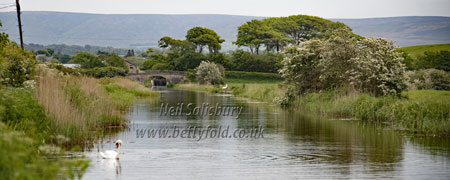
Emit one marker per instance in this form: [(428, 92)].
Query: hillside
[(405, 31), (139, 30), (419, 50)]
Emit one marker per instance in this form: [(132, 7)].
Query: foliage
[(20, 111), (244, 61), (202, 37), (108, 71), (278, 32), (368, 65), (160, 66), (188, 60), (424, 111), (24, 154), (114, 60), (23, 158), (148, 64), (253, 34), (87, 60), (209, 73), (123, 92), (63, 58), (192, 75), (16, 65), (436, 60), (187, 54), (429, 79)]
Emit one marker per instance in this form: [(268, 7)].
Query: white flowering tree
[(378, 69), (209, 73), (369, 65)]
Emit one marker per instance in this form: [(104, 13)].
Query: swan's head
[(118, 143)]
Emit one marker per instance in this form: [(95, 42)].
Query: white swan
[(110, 154), (225, 87)]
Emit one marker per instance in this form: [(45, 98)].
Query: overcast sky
[(323, 8)]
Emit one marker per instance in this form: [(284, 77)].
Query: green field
[(414, 51)]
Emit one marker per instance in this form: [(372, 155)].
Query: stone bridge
[(170, 76)]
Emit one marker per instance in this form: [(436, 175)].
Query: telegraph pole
[(20, 23)]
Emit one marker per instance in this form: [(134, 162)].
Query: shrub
[(209, 73), (245, 61), (429, 79), (16, 65), (191, 75), (148, 64), (109, 71), (369, 65), (87, 60), (436, 60), (160, 66)]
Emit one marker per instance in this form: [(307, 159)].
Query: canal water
[(292, 145)]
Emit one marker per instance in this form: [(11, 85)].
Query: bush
[(160, 66), (245, 61), (429, 79), (191, 75), (148, 64), (369, 65), (436, 60), (109, 71), (209, 73), (87, 60), (16, 65)]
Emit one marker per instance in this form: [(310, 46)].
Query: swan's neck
[(118, 152)]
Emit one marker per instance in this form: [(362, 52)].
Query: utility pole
[(20, 23)]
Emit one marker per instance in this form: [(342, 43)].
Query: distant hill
[(144, 30), (405, 31)]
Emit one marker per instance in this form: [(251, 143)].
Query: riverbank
[(261, 90), (425, 112), (55, 113)]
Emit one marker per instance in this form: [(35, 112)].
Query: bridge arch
[(170, 76)]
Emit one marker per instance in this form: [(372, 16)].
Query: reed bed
[(420, 111), (81, 106)]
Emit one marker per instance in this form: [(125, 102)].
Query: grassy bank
[(415, 51), (123, 91), (59, 112), (262, 90), (420, 111), (80, 106)]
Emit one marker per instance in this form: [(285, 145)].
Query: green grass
[(420, 111), (123, 96), (257, 89), (415, 51), (25, 135)]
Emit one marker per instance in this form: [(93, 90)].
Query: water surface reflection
[(295, 145)]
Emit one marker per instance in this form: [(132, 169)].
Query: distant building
[(73, 66), (132, 68)]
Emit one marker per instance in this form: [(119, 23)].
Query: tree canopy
[(202, 37), (278, 32)]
